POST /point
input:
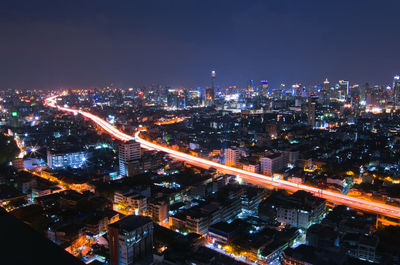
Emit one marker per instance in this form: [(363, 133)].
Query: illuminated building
[(158, 209), (232, 157), (132, 201), (131, 240), (311, 113), (344, 88), (264, 87), (129, 152), (197, 222), (325, 91), (300, 209), (396, 90), (271, 164), (62, 160), (210, 92), (14, 120), (177, 98), (252, 167)]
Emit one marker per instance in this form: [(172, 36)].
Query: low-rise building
[(271, 163), (158, 209), (131, 202)]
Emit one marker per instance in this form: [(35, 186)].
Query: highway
[(335, 197)]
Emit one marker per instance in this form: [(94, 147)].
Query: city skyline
[(72, 44)]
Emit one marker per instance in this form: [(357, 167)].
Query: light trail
[(362, 204)]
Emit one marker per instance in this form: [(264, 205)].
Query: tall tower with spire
[(210, 92)]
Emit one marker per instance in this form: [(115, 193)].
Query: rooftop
[(131, 222)]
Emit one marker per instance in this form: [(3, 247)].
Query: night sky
[(82, 43)]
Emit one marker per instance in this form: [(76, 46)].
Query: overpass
[(335, 197)]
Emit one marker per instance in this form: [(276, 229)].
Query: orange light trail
[(362, 204)]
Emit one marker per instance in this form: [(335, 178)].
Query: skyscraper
[(131, 240), (311, 112), (344, 88), (396, 90), (210, 92), (264, 87), (325, 91), (128, 152)]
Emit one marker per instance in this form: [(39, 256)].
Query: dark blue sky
[(80, 43)]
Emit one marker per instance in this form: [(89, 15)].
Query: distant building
[(210, 92), (264, 88), (311, 113), (272, 130), (232, 156), (271, 164), (344, 88), (129, 154), (396, 90), (131, 240)]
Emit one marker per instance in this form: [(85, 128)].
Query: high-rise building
[(264, 87), (131, 240), (213, 75), (210, 92), (128, 152), (311, 112), (396, 90), (250, 87), (232, 157), (325, 92), (344, 88)]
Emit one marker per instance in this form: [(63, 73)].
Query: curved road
[(362, 204)]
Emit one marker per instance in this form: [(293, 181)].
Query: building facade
[(131, 240), (232, 156), (129, 153)]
